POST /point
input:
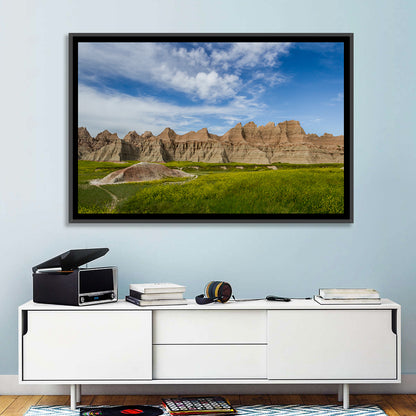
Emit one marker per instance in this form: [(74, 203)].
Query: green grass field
[(220, 188)]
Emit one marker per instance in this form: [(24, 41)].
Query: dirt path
[(115, 200)]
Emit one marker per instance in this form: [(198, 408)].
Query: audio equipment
[(61, 281), (131, 410), (215, 291)]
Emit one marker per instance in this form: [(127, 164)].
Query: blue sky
[(189, 86)]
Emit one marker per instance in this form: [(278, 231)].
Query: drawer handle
[(24, 322), (394, 321)]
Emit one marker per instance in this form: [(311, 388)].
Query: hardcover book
[(157, 288), (155, 296), (350, 301), (156, 302), (350, 293)]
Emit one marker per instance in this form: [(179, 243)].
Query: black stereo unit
[(71, 285)]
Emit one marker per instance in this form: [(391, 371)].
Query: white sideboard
[(253, 342)]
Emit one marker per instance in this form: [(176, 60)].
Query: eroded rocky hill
[(285, 142)]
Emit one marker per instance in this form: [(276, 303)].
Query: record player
[(61, 281)]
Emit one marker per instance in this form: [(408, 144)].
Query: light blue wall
[(378, 250)]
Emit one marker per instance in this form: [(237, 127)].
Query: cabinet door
[(88, 345), (209, 362), (331, 344)]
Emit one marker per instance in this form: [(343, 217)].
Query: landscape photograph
[(209, 129)]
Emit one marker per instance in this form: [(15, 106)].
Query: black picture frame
[(76, 38)]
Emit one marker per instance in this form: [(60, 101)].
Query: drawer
[(209, 327), (209, 362), (332, 344)]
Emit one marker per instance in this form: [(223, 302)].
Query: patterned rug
[(256, 410)]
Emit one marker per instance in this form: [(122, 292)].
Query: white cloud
[(220, 129), (210, 74), (276, 78), (339, 97), (207, 86), (195, 57), (120, 113), (159, 65), (246, 54)]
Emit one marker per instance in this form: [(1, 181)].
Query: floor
[(392, 404)]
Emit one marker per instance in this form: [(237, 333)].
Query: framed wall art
[(211, 127)]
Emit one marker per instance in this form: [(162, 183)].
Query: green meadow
[(218, 188)]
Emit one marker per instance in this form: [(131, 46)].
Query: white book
[(349, 294), (323, 301), (157, 288), (156, 296), (156, 302)]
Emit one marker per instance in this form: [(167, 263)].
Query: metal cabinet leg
[(73, 397), (346, 396), (78, 393), (340, 392)]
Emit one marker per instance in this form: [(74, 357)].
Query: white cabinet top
[(230, 305)]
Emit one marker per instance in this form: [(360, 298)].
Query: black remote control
[(277, 298)]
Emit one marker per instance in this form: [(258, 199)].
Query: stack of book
[(218, 406), (153, 294), (348, 297)]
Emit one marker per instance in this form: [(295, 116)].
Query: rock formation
[(285, 142), (141, 172)]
